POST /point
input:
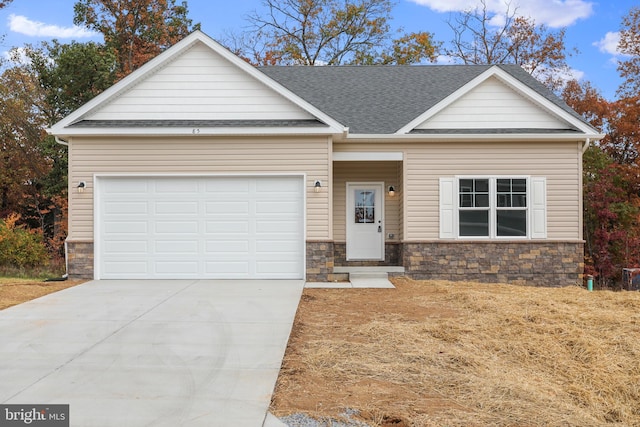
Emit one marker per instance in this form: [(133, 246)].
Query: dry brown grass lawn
[(16, 291), (434, 353)]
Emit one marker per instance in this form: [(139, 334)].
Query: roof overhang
[(194, 132), (477, 137)]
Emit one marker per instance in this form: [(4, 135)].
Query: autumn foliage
[(136, 30)]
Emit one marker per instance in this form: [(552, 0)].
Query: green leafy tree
[(136, 30), (330, 32), (70, 74)]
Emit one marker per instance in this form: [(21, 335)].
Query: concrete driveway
[(150, 353)]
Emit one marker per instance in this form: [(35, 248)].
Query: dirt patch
[(464, 354), (17, 291)]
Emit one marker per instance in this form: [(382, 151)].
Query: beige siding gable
[(493, 105), (199, 84)]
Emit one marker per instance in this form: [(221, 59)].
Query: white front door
[(365, 221)]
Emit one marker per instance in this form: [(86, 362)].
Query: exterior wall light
[(392, 191), (317, 186), (81, 186)]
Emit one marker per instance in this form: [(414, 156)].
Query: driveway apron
[(150, 353)]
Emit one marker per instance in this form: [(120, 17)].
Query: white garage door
[(204, 227)]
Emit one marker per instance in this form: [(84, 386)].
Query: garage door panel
[(284, 246), (227, 269), (227, 247), (177, 267), (124, 247), (286, 270), (125, 186), (201, 227), (123, 268), (276, 226), (175, 227), (228, 186), (289, 209), (176, 187), (127, 208), (189, 247), (173, 207), (231, 208), (227, 227), (125, 227)]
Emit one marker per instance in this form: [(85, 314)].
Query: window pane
[(369, 215), (466, 185), (482, 185), (482, 201), (520, 200), (474, 223), (504, 201), (504, 185), (519, 185), (512, 223), (466, 200)]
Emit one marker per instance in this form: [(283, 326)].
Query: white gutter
[(61, 141), (587, 142), (473, 137)]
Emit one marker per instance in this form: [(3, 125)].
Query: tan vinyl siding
[(492, 105), (424, 163), (558, 162), (388, 172), (207, 156), (200, 85)]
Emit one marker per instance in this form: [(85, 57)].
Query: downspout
[(66, 257), (587, 142), (61, 141)]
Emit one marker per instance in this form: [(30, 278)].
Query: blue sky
[(592, 25)]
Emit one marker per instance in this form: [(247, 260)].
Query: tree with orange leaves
[(329, 32), (136, 30)]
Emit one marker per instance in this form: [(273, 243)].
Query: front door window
[(365, 206)]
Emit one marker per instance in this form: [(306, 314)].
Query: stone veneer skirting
[(538, 263), (529, 262), (80, 259)]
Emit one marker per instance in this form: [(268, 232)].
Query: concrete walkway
[(150, 353)]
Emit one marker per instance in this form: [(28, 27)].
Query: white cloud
[(23, 25), (553, 13), (445, 60), (609, 43)]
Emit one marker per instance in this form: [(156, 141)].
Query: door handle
[(379, 227)]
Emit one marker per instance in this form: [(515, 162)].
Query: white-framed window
[(493, 207)]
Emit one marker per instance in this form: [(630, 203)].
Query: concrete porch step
[(370, 280), (361, 277)]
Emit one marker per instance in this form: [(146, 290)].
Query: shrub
[(20, 247)]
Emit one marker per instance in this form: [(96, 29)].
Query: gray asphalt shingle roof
[(383, 99)]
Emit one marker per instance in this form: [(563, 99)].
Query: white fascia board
[(514, 83), (456, 137), (345, 156), (194, 132), (165, 57)]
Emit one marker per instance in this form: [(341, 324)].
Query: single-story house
[(200, 165)]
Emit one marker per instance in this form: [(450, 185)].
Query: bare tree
[(329, 32), (483, 37)]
